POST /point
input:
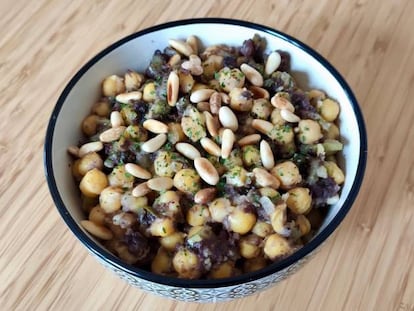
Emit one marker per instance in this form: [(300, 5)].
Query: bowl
[(309, 68)]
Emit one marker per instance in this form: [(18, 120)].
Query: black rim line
[(113, 260)]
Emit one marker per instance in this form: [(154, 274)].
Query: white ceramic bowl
[(311, 71)]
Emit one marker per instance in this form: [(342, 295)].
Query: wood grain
[(366, 265)]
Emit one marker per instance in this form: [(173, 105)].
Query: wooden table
[(366, 265)]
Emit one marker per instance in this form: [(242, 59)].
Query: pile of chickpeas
[(227, 129)]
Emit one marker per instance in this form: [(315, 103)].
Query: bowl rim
[(111, 259)]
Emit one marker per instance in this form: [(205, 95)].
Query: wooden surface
[(366, 265)]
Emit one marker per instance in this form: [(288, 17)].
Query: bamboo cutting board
[(366, 265)]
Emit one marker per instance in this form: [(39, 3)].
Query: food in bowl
[(210, 163)]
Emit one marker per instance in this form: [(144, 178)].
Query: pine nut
[(210, 146), (203, 106), (173, 86), (228, 118), (215, 102), (125, 98), (206, 170), (201, 95), (188, 150), (98, 231), (74, 151), (272, 63), (154, 144), (225, 98), (141, 190), (90, 147), (212, 124), (249, 140), (205, 195), (155, 126), (262, 126), (265, 179), (193, 65), (282, 103), (259, 92), (227, 141), (174, 60), (116, 119), (137, 171), (133, 80), (181, 46), (193, 42), (266, 155), (252, 74), (289, 116), (160, 183), (112, 134)]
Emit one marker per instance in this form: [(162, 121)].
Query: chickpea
[(90, 124), (240, 221), (149, 94), (170, 242), (113, 85), (88, 203), (97, 215), (262, 229), (276, 118), (334, 172), (288, 174), (133, 80), (162, 262), (254, 264), (282, 134), (251, 156), (75, 170), (124, 220), (299, 200), (120, 178), (110, 199), (278, 219), (230, 78), (237, 176), (309, 131), (198, 215), (136, 132), (93, 183), (133, 204), (90, 161), (212, 65), (175, 133), (101, 108), (269, 192), (332, 132), (186, 82), (276, 246), (304, 225), (250, 246), (241, 99), (187, 180), (234, 159), (125, 254), (223, 270), (261, 108), (219, 209), (172, 202), (129, 115), (162, 164), (329, 109), (162, 227), (187, 264)]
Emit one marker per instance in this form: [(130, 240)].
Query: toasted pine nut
[(160, 183), (272, 63), (73, 150), (116, 119), (141, 190), (98, 231), (203, 106), (112, 134), (210, 146), (188, 150), (212, 124), (206, 170), (282, 103), (252, 74), (137, 171), (259, 92), (193, 42), (154, 144), (266, 155), (94, 146), (225, 98), (205, 195), (181, 46), (215, 102), (174, 60), (126, 97), (201, 95), (155, 126), (173, 86), (249, 140), (265, 179), (227, 141), (289, 116), (262, 126), (228, 118)]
